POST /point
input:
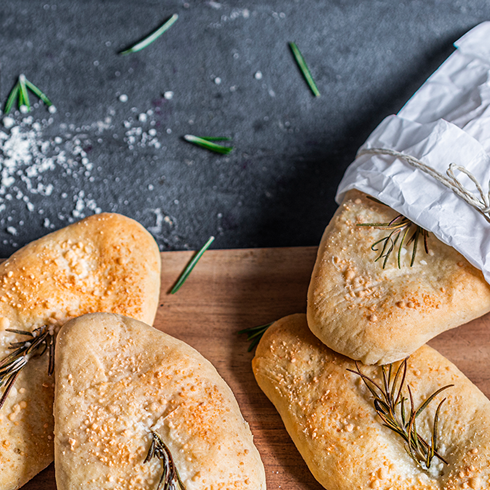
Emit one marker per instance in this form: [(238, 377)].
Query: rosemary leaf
[(208, 144), (434, 429), (431, 397), (152, 37), (23, 93), (185, 274), (304, 69), (12, 98), (254, 334), (38, 93), (20, 332)]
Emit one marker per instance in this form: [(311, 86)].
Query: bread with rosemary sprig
[(120, 385), (380, 314), (106, 262), (330, 415)]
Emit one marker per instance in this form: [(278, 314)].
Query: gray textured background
[(277, 187)]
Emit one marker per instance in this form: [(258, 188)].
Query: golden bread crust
[(117, 378), (106, 262), (329, 414), (378, 315)]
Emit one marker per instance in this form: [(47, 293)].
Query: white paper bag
[(446, 121)]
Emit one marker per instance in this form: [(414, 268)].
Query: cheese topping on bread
[(378, 315), (106, 262), (330, 416), (117, 380)]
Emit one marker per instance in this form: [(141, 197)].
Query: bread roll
[(117, 379), (105, 262), (330, 416), (378, 315)]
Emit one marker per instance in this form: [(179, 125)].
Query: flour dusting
[(37, 151)]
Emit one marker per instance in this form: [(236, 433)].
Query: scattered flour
[(163, 224), (215, 5), (136, 135), (28, 158), (37, 153), (157, 228), (236, 13)]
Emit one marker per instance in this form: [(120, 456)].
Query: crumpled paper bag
[(446, 121)]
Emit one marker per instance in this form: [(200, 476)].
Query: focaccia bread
[(105, 262), (378, 315), (329, 414), (117, 380)]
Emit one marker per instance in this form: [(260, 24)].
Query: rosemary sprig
[(207, 142), (389, 403), (40, 340), (170, 478), (304, 69), (185, 274), (152, 37), (400, 227), (254, 334), (20, 92)]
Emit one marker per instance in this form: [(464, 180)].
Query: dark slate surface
[(277, 188)]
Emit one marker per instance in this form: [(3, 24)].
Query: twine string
[(480, 203)]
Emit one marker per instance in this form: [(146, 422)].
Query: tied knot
[(479, 201)]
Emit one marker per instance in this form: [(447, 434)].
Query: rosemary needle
[(11, 98), (254, 334), (152, 37), (170, 478), (304, 69), (38, 93), (207, 142), (185, 274), (23, 96)]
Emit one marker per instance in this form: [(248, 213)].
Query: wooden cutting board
[(234, 289)]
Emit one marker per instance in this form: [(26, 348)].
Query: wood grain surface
[(233, 289)]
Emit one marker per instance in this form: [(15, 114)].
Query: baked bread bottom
[(117, 379), (378, 315), (329, 415)]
